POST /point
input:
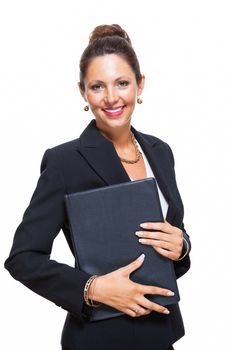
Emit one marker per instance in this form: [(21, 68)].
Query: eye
[(123, 83), (96, 87)]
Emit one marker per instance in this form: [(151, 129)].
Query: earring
[(139, 100), (86, 108)]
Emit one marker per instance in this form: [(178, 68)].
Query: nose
[(111, 96)]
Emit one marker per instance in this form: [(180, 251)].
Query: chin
[(112, 122), (116, 122)]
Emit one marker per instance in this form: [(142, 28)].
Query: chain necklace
[(138, 153)]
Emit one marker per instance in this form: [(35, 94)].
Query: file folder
[(103, 222)]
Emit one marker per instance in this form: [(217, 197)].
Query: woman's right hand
[(117, 290)]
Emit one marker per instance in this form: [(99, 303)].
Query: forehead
[(108, 67)]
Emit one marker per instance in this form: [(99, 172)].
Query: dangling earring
[(86, 108), (139, 101)]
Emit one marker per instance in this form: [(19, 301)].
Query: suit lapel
[(103, 159), (101, 156), (162, 172), (154, 154)]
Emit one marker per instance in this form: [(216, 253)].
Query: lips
[(114, 112)]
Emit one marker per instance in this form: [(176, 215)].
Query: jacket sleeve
[(29, 260), (183, 265)]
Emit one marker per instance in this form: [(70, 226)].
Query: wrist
[(91, 291), (185, 250), (88, 293)]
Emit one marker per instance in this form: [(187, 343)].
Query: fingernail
[(170, 294), (138, 233), (141, 257), (141, 240), (166, 312), (144, 225)]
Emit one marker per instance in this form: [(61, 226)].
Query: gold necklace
[(138, 153)]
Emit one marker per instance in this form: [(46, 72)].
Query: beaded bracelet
[(88, 301)]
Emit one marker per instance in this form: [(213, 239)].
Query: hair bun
[(108, 30)]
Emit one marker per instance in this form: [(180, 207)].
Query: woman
[(109, 151)]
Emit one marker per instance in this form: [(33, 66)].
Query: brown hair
[(105, 40)]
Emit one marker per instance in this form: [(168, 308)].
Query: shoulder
[(59, 153), (66, 146), (154, 140), (157, 144)]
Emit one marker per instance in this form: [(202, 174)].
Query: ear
[(82, 92), (141, 85)]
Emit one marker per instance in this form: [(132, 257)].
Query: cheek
[(94, 100), (130, 95)]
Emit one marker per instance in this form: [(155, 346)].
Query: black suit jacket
[(85, 163)]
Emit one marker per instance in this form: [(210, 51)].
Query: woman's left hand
[(166, 239)]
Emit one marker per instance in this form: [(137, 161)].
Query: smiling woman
[(109, 151), (112, 98)]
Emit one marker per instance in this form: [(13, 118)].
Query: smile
[(113, 110)]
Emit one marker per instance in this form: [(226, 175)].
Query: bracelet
[(186, 251), (88, 301)]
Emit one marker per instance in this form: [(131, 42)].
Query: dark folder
[(103, 223)]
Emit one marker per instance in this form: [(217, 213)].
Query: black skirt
[(152, 332)]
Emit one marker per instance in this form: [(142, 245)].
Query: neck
[(120, 137)]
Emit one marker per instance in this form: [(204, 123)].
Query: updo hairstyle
[(105, 40)]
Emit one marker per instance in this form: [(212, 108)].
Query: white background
[(185, 50)]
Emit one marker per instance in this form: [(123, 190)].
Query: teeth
[(113, 110)]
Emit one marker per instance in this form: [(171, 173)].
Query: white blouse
[(149, 173), (163, 202)]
